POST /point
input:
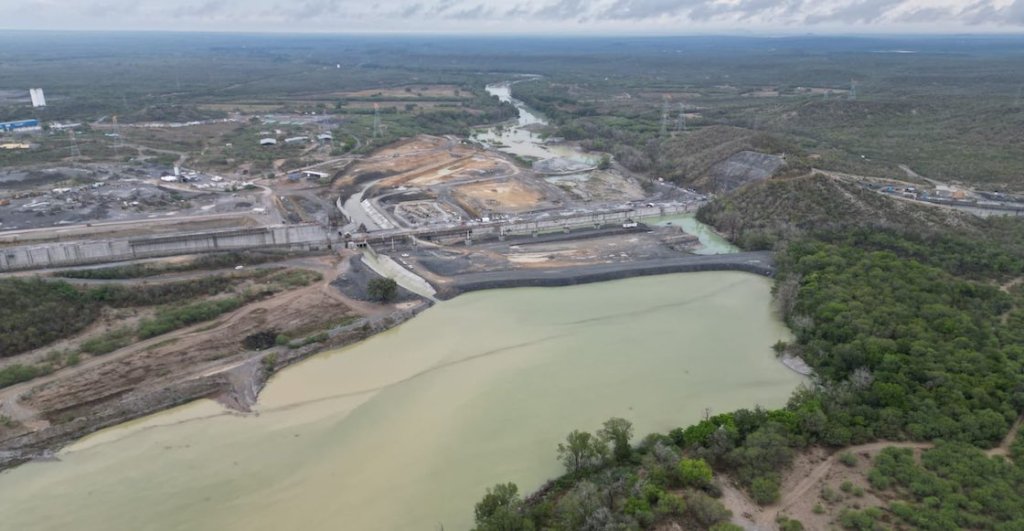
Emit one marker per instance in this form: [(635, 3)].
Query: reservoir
[(407, 429)]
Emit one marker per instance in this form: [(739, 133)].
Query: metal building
[(38, 99)]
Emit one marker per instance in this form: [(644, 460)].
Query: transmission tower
[(376, 121), (681, 119), (664, 117), (118, 141), (75, 152), (853, 89)]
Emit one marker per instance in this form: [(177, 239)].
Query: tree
[(694, 472), (501, 510), (617, 432), (382, 289), (606, 162), (581, 450)]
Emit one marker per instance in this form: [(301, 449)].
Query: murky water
[(710, 241), (521, 139), (407, 429)]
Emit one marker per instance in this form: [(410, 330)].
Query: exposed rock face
[(742, 168)]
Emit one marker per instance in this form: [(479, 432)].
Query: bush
[(109, 342), (269, 363), (707, 510), (765, 490), (848, 459), (18, 373), (694, 473), (382, 289)]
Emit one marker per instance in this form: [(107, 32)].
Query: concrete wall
[(299, 237)]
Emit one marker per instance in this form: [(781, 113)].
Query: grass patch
[(18, 373), (151, 269), (174, 318), (109, 342)]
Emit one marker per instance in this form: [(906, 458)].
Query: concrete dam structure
[(62, 254)]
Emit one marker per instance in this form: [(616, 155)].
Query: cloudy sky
[(522, 16)]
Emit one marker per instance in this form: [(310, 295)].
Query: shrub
[(693, 473), (382, 289), (18, 373), (707, 510), (179, 317), (764, 490), (848, 459)]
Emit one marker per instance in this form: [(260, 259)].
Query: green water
[(710, 241), (407, 429)]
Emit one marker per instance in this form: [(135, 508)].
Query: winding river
[(407, 429)]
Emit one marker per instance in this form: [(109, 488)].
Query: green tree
[(501, 510), (694, 472), (382, 289), (581, 451), (618, 432)]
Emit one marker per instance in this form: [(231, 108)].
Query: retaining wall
[(61, 254)]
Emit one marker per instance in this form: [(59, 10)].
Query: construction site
[(296, 253)]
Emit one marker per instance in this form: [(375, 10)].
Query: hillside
[(760, 213)]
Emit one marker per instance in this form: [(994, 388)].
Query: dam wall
[(63, 254)]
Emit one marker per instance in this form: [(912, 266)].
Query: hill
[(761, 213)]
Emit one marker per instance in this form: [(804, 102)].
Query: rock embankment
[(760, 263)]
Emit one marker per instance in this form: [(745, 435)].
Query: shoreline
[(238, 387)]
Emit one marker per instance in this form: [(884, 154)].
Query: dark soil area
[(353, 283)]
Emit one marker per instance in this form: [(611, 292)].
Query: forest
[(914, 334)]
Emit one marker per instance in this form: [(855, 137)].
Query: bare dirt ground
[(84, 390), (505, 197), (600, 186)]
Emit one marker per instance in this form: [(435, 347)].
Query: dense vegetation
[(913, 334), (35, 312), (955, 486), (758, 215)]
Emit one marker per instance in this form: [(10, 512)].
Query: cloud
[(522, 15), (859, 12)]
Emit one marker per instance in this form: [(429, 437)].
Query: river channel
[(407, 429)]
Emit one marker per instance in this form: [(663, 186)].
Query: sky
[(643, 17)]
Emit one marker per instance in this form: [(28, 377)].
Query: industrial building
[(268, 141), (20, 125), (38, 99)]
